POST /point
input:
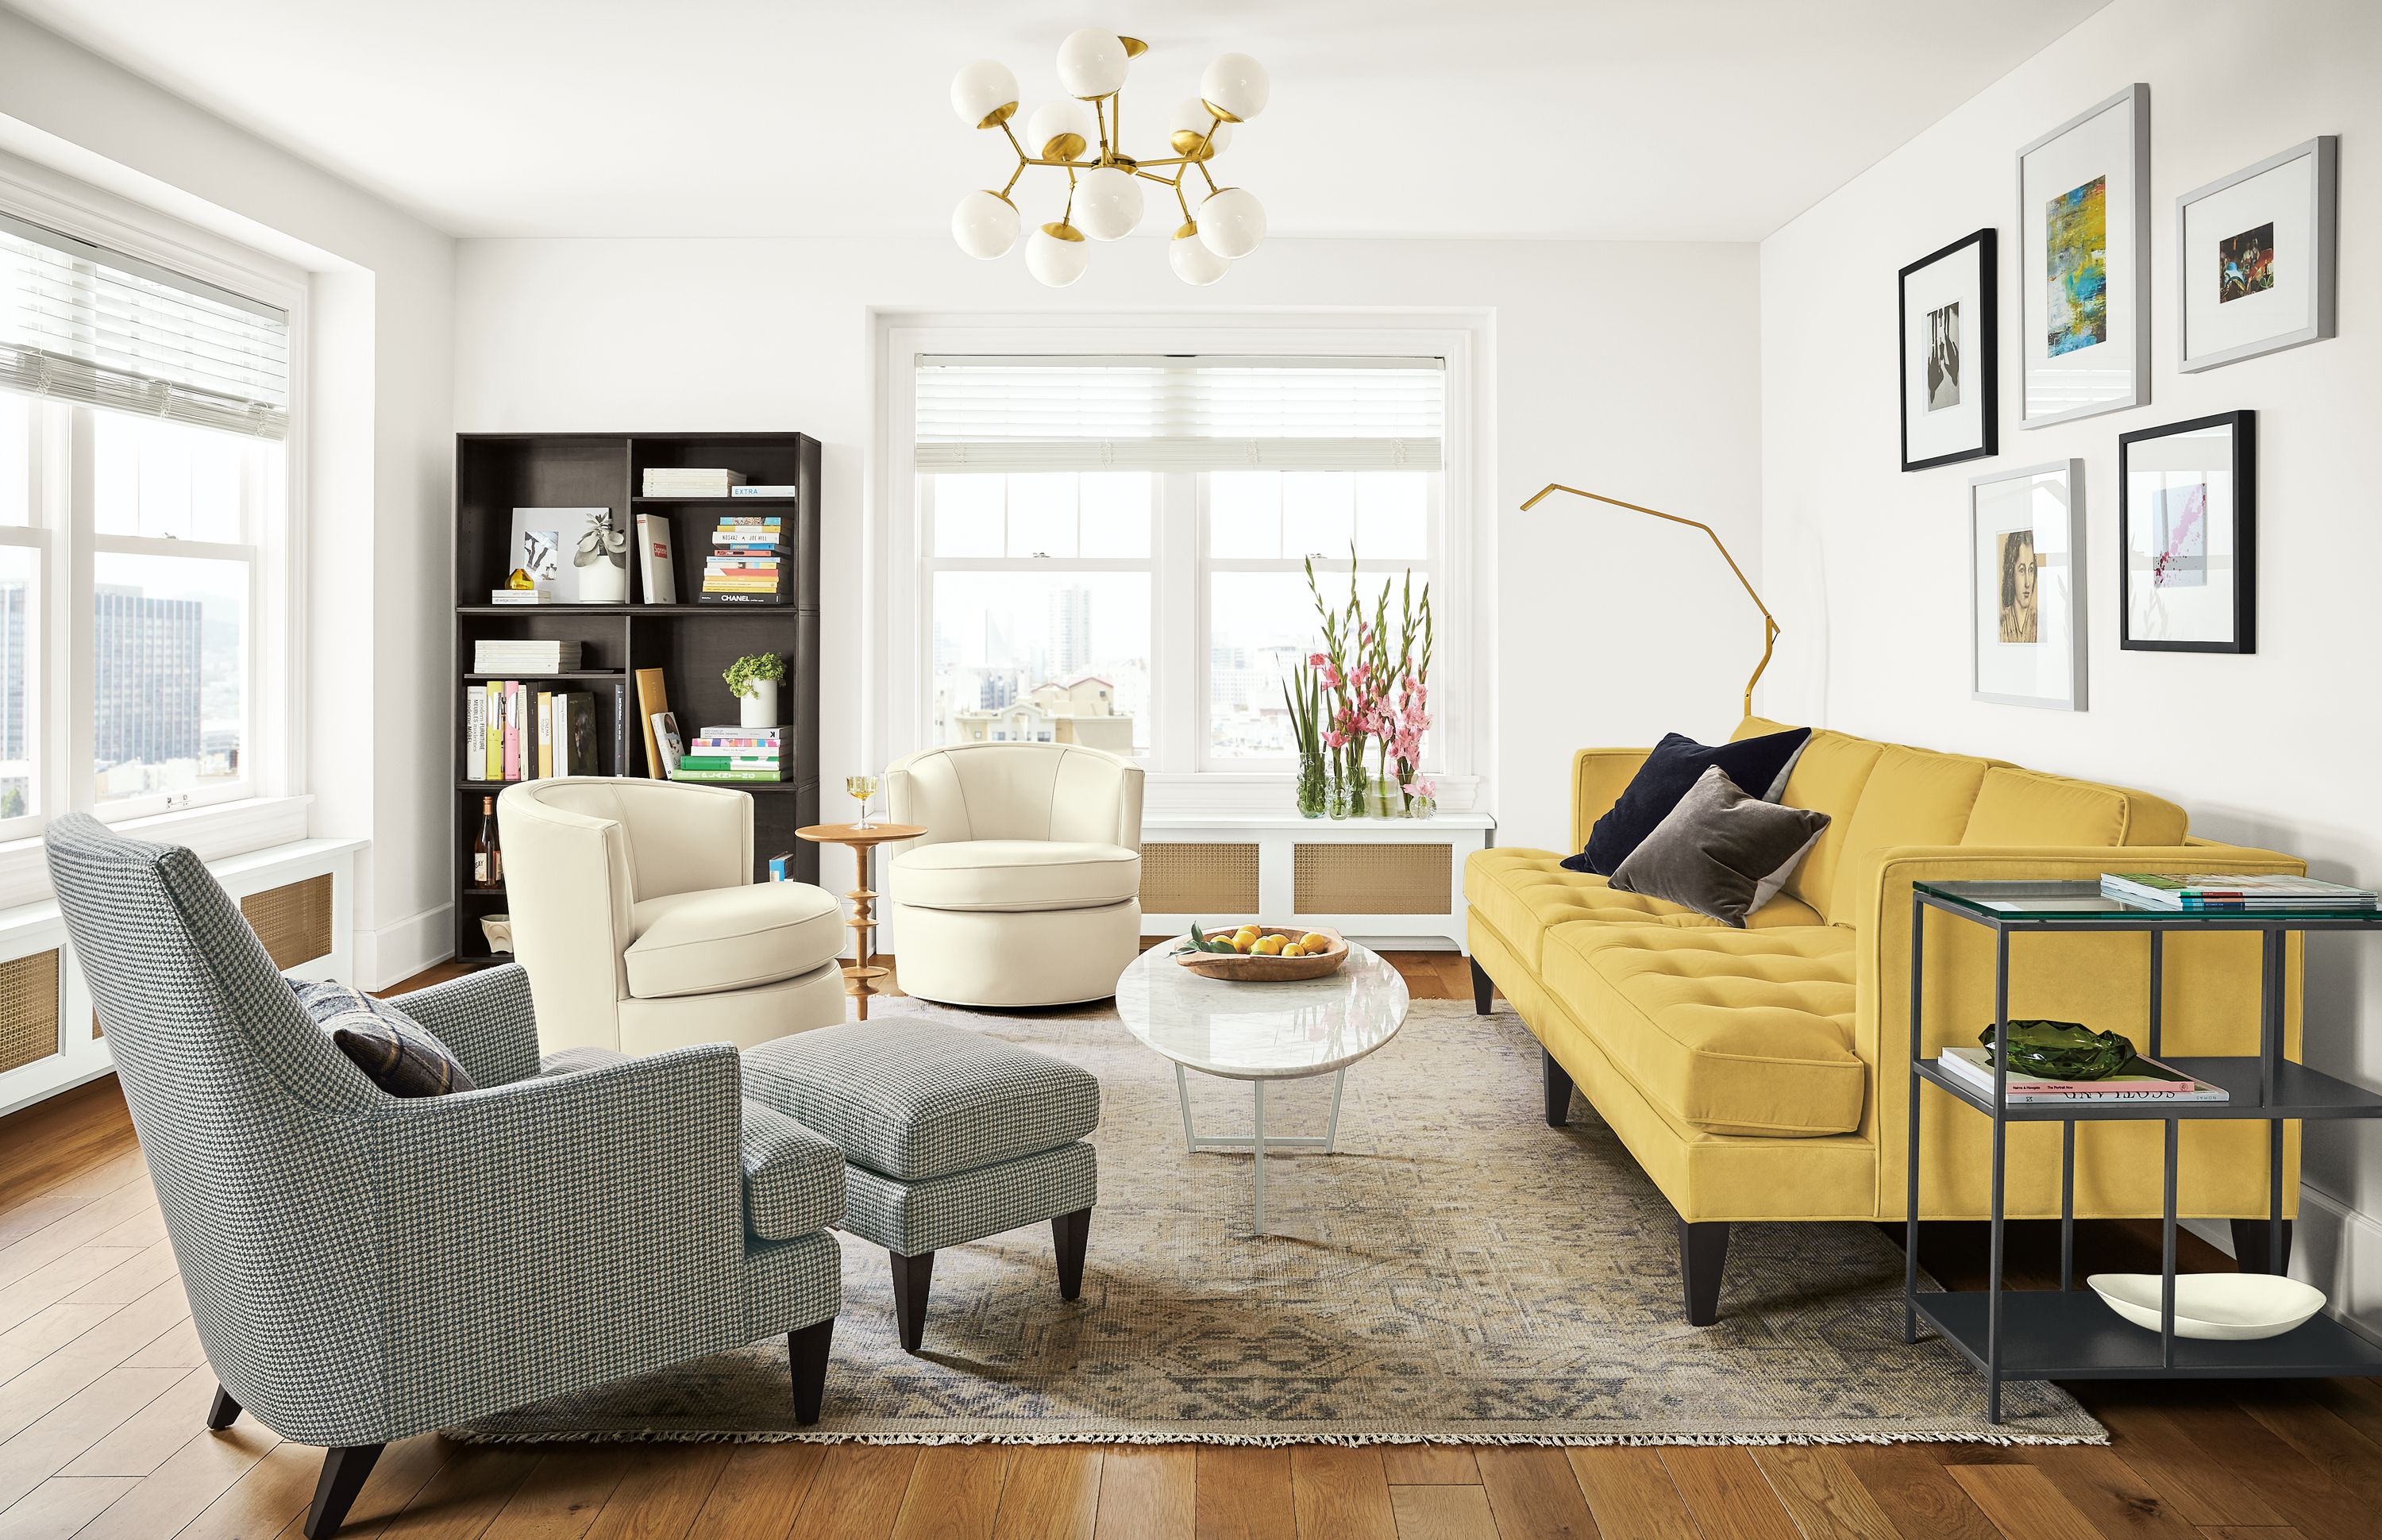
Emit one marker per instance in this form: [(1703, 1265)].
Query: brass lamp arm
[(1770, 627)]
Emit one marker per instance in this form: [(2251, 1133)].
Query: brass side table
[(859, 976)]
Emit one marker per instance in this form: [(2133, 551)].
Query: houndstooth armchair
[(362, 1268)]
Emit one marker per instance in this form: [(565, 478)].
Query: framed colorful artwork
[(2026, 567), (2083, 249), (1950, 409), (2187, 527), (2255, 258)]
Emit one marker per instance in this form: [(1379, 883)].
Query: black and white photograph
[(1949, 410)]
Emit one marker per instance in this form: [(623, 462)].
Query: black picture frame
[(2243, 469), (1976, 247)]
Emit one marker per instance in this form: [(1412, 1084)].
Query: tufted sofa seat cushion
[(1731, 1031), (1524, 893)]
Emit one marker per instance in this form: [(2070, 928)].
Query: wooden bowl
[(1245, 968)]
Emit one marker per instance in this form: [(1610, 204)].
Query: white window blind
[(1214, 413), (84, 323)]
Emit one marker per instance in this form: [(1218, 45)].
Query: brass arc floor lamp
[(1769, 621)]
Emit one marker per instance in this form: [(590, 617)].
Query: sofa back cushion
[(1913, 797), (2026, 807), (1827, 778)]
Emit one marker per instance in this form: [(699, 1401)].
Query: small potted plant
[(753, 679), (603, 561)]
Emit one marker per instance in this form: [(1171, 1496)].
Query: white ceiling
[(1690, 119)]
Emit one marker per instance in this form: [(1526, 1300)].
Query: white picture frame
[(555, 573), (2027, 637), (2283, 214), (2082, 254)]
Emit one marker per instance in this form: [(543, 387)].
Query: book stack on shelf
[(2234, 893), (746, 561), (677, 480), (2140, 1079), (505, 655), (514, 731), (733, 754)]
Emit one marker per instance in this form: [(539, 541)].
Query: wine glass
[(861, 788)]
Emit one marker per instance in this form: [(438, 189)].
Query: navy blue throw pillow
[(1758, 765), (395, 1052)]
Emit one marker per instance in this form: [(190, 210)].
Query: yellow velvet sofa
[(1762, 1073)]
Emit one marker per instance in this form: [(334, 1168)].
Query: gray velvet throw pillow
[(1721, 852)]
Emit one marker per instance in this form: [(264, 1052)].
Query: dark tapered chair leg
[(335, 1491), (2249, 1248), (225, 1412), (1069, 1233), (806, 1352), (912, 1278), (1703, 1252), (1484, 988), (1558, 1091)]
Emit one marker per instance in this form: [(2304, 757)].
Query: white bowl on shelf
[(2218, 1307)]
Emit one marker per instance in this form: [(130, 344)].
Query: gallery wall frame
[(2187, 536), (2028, 644), (1951, 363), (2082, 248), (2227, 253)]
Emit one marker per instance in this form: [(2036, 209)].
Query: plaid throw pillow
[(396, 1052)]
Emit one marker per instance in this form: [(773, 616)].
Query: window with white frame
[(143, 488), (1114, 550)]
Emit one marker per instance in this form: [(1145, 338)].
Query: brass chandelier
[(1104, 193)]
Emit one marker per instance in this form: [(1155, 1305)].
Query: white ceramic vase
[(759, 709), (604, 582)]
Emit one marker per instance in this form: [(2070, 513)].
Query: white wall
[(1868, 566), (380, 399), (1594, 350)]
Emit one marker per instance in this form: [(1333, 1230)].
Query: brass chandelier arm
[(1770, 627)]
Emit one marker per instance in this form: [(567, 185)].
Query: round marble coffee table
[(1259, 1032)]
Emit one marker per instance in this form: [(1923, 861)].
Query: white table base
[(1256, 1142)]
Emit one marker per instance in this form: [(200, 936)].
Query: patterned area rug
[(1458, 1273)]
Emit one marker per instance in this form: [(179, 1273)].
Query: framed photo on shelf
[(2254, 251), (2083, 268), (1949, 366), (2187, 527), (2026, 562), (545, 544)]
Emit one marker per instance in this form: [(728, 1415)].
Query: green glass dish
[(2062, 1050)]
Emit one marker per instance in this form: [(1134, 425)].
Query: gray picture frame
[(2079, 580), (2137, 97), (2324, 268)]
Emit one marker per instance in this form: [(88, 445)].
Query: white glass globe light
[(1056, 255), (984, 94), (1188, 123), (985, 223), (1107, 203), (1231, 222), (1060, 130), (1235, 86), (1091, 63), (1191, 260)]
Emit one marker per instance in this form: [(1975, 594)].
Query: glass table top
[(2071, 901)]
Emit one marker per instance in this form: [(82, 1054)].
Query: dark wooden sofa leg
[(1558, 1091), (1703, 1252), (335, 1491), (2249, 1248), (224, 1413), (1484, 988), (912, 1278), (1069, 1234), (806, 1352)]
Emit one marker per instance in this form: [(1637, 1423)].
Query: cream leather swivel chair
[(1026, 889), (635, 913)]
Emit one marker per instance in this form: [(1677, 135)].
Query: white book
[(2151, 1082), (475, 733), (764, 491), (656, 567)]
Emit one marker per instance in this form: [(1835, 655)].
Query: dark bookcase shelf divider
[(693, 644)]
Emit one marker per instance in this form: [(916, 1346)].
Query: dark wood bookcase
[(691, 643)]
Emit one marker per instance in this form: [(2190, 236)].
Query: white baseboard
[(2334, 1247), (394, 953)]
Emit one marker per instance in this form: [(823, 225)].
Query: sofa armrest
[(486, 1017), (1598, 778)]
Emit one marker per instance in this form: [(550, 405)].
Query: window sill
[(1168, 794), (215, 832)]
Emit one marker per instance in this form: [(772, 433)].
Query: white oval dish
[(2223, 1307)]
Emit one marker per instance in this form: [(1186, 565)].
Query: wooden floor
[(103, 1392)]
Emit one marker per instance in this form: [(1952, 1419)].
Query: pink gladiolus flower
[(1318, 660)]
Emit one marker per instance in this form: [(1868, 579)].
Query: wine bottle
[(488, 858)]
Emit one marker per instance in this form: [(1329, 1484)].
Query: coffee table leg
[(1182, 1094), (1331, 1128), (1256, 1148)]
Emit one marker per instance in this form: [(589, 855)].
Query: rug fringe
[(1284, 1440)]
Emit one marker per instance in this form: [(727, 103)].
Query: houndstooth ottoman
[(947, 1137)]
